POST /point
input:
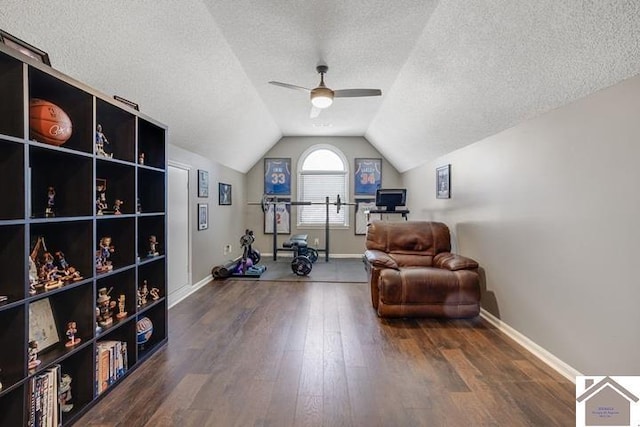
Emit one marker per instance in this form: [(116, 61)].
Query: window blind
[(315, 187)]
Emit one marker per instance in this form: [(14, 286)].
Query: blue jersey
[(367, 177), (277, 177)]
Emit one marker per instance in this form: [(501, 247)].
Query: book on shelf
[(44, 410), (111, 363)]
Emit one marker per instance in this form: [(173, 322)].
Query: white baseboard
[(555, 363), (185, 291)]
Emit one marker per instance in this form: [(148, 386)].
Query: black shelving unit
[(133, 167)]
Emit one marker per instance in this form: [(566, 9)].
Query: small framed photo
[(363, 206), (203, 216), (42, 326), (224, 194), (443, 182), (24, 48), (203, 183)]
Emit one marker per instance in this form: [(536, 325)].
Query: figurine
[(142, 294), (69, 272), (101, 140), (116, 207), (138, 206), (102, 255), (101, 198), (153, 242), (33, 354), (51, 201), (49, 273), (71, 334), (155, 293), (141, 158), (121, 307), (105, 307), (64, 395)]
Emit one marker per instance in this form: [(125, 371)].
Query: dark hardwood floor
[(249, 353)]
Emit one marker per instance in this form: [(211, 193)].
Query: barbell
[(269, 199)]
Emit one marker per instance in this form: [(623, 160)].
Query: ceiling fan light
[(321, 97), (321, 101)]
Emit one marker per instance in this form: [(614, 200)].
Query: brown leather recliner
[(412, 272)]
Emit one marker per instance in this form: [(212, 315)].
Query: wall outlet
[(316, 242), (227, 249)]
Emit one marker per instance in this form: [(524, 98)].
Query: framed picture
[(281, 211), (203, 183), (224, 194), (367, 176), (24, 47), (203, 216), (443, 182), (363, 206), (277, 176), (42, 325)]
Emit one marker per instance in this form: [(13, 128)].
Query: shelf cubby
[(119, 128), (75, 305), (151, 142), (120, 183), (79, 366), (11, 93), (12, 171), (73, 238), (151, 191), (121, 230), (68, 174), (76, 103), (12, 280), (12, 357), (121, 283), (155, 275), (151, 226), (12, 404), (158, 319)]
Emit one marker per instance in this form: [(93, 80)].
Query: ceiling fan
[(322, 96)]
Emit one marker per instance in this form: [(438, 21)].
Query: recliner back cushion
[(409, 237)]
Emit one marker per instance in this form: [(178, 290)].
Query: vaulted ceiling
[(451, 72)]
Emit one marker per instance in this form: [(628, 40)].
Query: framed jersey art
[(277, 176), (368, 176)]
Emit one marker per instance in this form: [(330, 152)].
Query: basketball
[(144, 329), (48, 123)]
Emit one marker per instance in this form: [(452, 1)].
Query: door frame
[(180, 295)]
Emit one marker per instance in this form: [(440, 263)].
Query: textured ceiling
[(451, 72)]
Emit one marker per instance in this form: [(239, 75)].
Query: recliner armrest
[(453, 262), (380, 259)]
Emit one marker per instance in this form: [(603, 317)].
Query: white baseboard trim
[(288, 254), (555, 363), (183, 293)]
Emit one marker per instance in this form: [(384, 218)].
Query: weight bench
[(303, 256)]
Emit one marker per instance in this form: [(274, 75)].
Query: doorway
[(179, 250)]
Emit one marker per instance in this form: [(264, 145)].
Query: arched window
[(322, 171)]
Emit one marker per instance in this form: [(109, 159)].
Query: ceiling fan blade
[(315, 112), (350, 93), (289, 86)]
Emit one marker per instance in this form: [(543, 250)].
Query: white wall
[(342, 241), (551, 210)]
